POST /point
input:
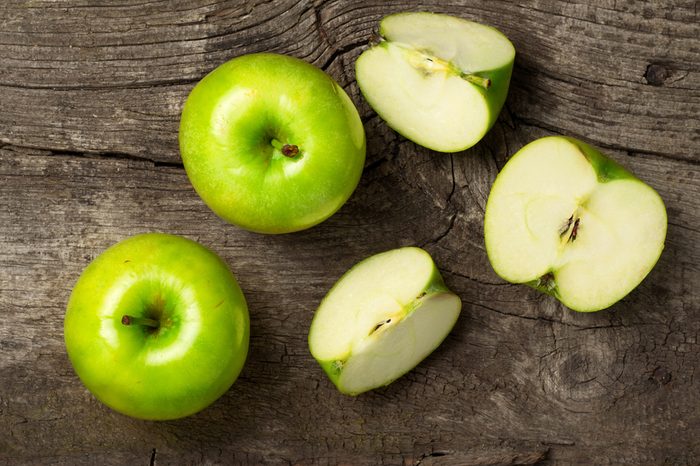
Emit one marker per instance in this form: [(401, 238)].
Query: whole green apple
[(271, 143), (157, 327), (563, 218), (438, 80)]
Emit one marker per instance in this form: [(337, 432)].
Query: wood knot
[(656, 74), (661, 376)]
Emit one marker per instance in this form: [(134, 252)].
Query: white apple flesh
[(381, 319), (438, 80), (563, 218)]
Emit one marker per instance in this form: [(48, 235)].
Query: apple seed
[(378, 326)]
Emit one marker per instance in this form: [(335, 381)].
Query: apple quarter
[(438, 80), (383, 317)]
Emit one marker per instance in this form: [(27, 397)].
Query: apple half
[(563, 218), (381, 319), (438, 80)]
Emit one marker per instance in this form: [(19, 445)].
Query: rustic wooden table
[(90, 96)]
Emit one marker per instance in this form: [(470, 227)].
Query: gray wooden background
[(90, 95)]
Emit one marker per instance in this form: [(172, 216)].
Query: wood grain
[(91, 93)]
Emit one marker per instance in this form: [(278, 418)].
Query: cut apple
[(438, 80), (382, 318), (563, 218)]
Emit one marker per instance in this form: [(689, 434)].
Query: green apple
[(382, 318), (563, 218), (157, 327), (271, 143), (438, 80)]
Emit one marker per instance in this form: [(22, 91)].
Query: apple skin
[(226, 132), (496, 94), (182, 367), (605, 168)]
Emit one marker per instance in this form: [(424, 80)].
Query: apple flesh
[(381, 319), (157, 327), (438, 80), (563, 218), (271, 143)]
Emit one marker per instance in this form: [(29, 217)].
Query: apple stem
[(288, 150), (131, 320), (478, 80)]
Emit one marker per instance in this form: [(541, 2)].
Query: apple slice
[(382, 318), (438, 80), (563, 218)]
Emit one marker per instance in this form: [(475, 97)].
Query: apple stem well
[(288, 150), (145, 321)]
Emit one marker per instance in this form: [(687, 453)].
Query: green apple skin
[(236, 122), (190, 360), (495, 96), (606, 168)]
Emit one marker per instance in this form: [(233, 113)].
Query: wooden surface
[(90, 95)]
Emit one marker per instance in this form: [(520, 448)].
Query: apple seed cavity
[(379, 325), (570, 226)]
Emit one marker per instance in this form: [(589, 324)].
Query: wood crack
[(97, 155), (542, 319), (97, 87), (443, 234), (600, 144)]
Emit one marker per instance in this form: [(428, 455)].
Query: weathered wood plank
[(81, 77), (520, 377), (98, 87)]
